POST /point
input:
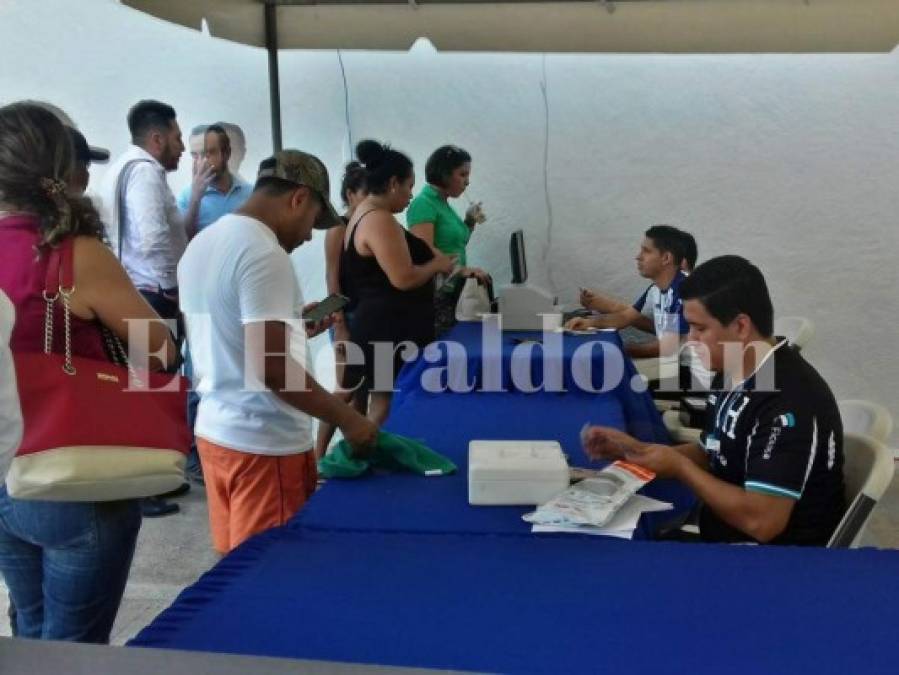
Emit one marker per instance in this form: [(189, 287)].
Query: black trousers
[(167, 308)]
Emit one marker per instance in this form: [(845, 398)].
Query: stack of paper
[(621, 525)]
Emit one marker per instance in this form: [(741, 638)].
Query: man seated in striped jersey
[(769, 465)]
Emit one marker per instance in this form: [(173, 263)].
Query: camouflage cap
[(306, 170)]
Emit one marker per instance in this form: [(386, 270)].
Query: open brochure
[(621, 525), (593, 501)]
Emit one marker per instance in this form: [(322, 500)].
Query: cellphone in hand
[(333, 303)]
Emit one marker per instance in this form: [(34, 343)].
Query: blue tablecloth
[(485, 359), (571, 354), (447, 422), (399, 570), (518, 605)]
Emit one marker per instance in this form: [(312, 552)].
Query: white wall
[(792, 161)]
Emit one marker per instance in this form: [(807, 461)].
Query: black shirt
[(779, 433)]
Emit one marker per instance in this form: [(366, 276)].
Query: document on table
[(621, 525)]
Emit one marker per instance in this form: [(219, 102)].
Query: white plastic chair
[(796, 329), (865, 417), (664, 404), (867, 471), (680, 433)]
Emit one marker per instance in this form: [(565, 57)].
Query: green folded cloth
[(392, 452)]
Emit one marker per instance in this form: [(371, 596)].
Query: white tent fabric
[(631, 26)]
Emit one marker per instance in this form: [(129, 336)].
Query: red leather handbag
[(93, 430)]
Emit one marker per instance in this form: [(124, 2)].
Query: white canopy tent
[(615, 26)]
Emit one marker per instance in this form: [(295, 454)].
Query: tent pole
[(274, 83)]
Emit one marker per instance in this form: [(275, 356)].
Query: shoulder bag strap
[(119, 209), (60, 282)]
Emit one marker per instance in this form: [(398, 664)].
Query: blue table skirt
[(518, 605), (447, 422)]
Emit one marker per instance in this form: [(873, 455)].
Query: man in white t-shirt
[(242, 307)]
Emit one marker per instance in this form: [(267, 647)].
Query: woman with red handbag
[(65, 563)]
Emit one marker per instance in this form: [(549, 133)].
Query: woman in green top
[(431, 218)]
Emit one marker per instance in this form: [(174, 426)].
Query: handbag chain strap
[(59, 273), (119, 354), (66, 294), (59, 267), (49, 301)]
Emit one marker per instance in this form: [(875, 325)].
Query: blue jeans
[(66, 564)]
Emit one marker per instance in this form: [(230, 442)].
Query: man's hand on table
[(663, 460), (580, 323), (608, 443)]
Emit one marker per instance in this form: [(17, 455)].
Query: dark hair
[(146, 116), (442, 162), (36, 161), (691, 251), (382, 163), (199, 130), (730, 285), (231, 128), (224, 141), (353, 180), (667, 239)]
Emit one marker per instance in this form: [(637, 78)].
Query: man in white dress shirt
[(146, 230)]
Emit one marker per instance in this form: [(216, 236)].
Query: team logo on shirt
[(732, 415), (781, 422), (788, 420)]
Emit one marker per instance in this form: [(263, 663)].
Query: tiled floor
[(173, 551)]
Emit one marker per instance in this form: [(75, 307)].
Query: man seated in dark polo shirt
[(769, 465)]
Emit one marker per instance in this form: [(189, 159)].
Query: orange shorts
[(249, 493)]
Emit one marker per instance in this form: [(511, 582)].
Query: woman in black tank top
[(389, 276)]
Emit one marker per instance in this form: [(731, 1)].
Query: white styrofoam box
[(515, 472)]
